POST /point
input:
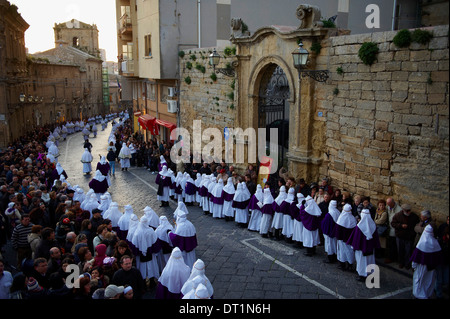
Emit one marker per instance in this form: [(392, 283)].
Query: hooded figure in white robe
[(255, 210), (173, 277), (241, 199), (211, 186), (113, 213), (216, 193), (426, 257), (190, 190), (163, 235), (181, 208), (342, 231), (86, 159), (364, 240), (267, 212), (228, 195), (198, 270), (99, 184), (198, 182), (124, 222), (204, 193), (152, 217), (185, 238), (124, 156), (299, 209), (164, 182), (86, 132), (146, 242), (91, 203), (288, 220), (104, 205), (311, 224), (94, 129), (79, 195), (327, 226), (190, 286), (277, 220)]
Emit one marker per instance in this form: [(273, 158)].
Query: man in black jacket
[(129, 275)]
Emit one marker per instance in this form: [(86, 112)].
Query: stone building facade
[(380, 130), (13, 67), (79, 35)]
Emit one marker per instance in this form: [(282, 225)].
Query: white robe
[(423, 281)]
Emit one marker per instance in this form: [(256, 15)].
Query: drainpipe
[(199, 7), (394, 13)]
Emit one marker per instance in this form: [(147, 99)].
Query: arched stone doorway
[(273, 108)]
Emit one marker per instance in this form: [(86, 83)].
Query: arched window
[(76, 41)]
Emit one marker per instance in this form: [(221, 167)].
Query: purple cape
[(184, 243), (190, 188), (285, 208), (153, 249), (227, 197), (99, 187), (310, 222), (359, 242), (431, 260), (253, 203), (240, 205), (203, 191), (163, 293), (103, 168), (295, 212), (267, 209), (342, 233), (327, 225)]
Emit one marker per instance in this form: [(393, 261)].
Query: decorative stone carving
[(308, 15), (236, 24)]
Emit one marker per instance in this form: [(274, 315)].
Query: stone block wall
[(205, 99), (387, 125)]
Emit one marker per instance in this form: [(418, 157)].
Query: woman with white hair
[(86, 159), (342, 231), (364, 240)]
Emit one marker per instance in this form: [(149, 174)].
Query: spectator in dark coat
[(404, 222)]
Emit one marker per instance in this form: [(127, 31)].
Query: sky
[(43, 14)]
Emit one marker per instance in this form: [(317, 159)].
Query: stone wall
[(205, 99), (387, 125)]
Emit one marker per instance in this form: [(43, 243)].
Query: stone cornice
[(284, 32)]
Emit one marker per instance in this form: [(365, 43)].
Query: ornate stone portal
[(268, 49)]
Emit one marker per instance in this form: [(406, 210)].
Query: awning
[(169, 125), (148, 122)]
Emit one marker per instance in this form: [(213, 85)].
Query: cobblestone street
[(239, 263)]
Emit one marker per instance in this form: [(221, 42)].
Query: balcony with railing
[(125, 25)]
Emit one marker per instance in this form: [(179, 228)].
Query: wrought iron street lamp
[(300, 57), (214, 59)]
